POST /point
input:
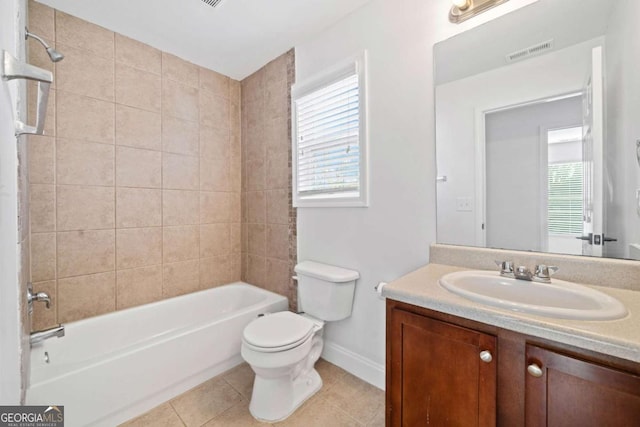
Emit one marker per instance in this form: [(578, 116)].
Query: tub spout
[(40, 336)]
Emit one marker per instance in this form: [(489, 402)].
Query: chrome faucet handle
[(40, 296), (544, 272), (506, 267)]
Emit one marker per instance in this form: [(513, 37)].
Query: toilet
[(282, 348)]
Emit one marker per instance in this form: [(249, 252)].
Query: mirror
[(538, 130)]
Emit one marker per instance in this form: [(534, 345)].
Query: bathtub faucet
[(40, 336)]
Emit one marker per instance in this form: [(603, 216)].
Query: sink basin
[(559, 299)]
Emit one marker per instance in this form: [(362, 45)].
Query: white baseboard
[(363, 368)]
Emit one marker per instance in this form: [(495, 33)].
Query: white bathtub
[(110, 368)]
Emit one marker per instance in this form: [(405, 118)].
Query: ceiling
[(235, 38), (484, 48)]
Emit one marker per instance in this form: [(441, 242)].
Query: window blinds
[(328, 138), (565, 198)]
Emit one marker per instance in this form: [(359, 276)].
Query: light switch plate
[(464, 204)]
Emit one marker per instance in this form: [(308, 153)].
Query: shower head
[(53, 54)]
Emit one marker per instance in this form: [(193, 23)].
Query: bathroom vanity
[(452, 361)]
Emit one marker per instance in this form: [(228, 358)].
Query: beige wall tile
[(179, 100), (82, 117), (213, 82), (41, 20), (180, 136), (235, 89), (256, 239), (43, 256), (277, 176), (81, 34), (215, 207), (138, 55), (256, 207), (277, 207), (180, 278), (50, 117), (138, 128), (181, 243), (180, 207), (86, 296), (276, 69), (215, 143), (277, 276), (276, 100), (205, 401), (236, 207), (214, 240), (214, 271), (256, 174), (178, 69), (43, 317), (278, 241), (180, 172), (85, 208), (138, 247), (41, 159), (214, 174), (85, 73), (85, 252), (138, 207), (253, 88), (138, 88), (235, 238), (214, 110), (42, 208), (276, 135), (138, 168), (138, 286), (256, 268), (84, 163)]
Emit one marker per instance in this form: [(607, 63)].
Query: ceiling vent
[(535, 50), (212, 3)]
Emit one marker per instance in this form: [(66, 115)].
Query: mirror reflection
[(536, 129)]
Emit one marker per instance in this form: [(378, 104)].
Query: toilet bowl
[(282, 348)]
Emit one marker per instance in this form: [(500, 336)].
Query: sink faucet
[(542, 273), (37, 337)]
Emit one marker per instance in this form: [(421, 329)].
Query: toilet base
[(275, 399)]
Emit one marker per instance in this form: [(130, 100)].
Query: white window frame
[(357, 65)]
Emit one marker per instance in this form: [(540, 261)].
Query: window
[(565, 199), (330, 138)]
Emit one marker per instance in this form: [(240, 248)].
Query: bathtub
[(110, 368)]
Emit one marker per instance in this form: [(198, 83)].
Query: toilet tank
[(325, 291)]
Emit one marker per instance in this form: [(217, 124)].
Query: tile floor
[(223, 401)]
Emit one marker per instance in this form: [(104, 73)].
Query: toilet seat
[(278, 332)]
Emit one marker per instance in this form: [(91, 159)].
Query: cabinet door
[(571, 392), (437, 375)]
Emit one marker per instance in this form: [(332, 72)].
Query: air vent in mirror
[(212, 3), (537, 49)]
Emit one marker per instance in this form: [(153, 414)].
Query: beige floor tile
[(161, 416), (329, 373), (206, 401), (357, 398), (319, 413), (378, 418), (241, 379), (236, 416)]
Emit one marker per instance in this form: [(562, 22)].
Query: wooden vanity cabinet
[(443, 370)]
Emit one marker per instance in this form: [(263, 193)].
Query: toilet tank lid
[(327, 272)]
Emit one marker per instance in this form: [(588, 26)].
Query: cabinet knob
[(486, 356), (534, 370)]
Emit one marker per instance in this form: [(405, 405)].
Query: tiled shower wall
[(136, 190), (268, 226)]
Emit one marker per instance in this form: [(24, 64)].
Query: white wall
[(392, 236), (623, 127), (461, 103), (12, 376)]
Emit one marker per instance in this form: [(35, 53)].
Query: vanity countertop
[(620, 338)]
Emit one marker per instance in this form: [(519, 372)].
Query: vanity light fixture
[(465, 9)]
